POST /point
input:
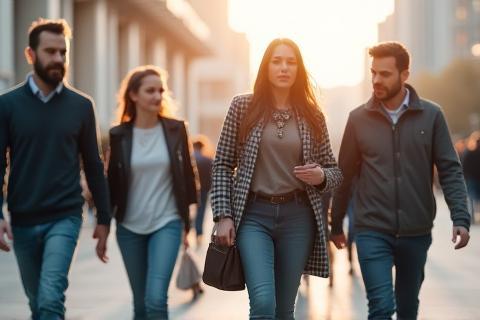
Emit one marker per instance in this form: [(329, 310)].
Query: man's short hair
[(59, 26), (392, 49)]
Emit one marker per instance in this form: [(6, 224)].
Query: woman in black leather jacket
[(152, 183)]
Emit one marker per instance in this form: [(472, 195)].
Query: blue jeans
[(377, 254), (275, 241), (202, 206), (149, 260), (44, 254), (473, 188)]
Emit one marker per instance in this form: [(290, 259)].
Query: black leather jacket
[(182, 167)]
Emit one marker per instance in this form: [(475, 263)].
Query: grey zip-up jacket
[(394, 168)]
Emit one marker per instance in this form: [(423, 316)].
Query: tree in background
[(457, 90)]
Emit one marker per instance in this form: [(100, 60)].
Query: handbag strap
[(214, 230)]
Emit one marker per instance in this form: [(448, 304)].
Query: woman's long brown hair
[(301, 95), (126, 110)]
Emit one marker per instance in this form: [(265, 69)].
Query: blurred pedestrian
[(351, 229), (273, 163), (326, 199), (152, 183), (391, 145), (46, 124), (204, 160), (350, 235), (471, 169)]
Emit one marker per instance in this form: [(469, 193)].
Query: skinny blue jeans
[(378, 253), (44, 254), (275, 241), (149, 260)]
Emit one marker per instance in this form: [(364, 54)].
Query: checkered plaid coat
[(234, 165)]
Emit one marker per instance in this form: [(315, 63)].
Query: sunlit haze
[(332, 35)]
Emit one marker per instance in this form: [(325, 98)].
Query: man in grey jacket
[(391, 144)]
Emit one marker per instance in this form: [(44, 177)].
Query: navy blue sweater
[(46, 141)]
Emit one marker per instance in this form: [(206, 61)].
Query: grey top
[(276, 159), (151, 202)]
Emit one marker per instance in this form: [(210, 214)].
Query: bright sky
[(332, 34)]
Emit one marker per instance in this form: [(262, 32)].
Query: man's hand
[(226, 232), (101, 233), (339, 240), (311, 174), (462, 233), (5, 230)]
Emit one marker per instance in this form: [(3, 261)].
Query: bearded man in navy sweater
[(47, 126)]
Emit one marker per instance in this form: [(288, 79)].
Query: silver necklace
[(280, 118)]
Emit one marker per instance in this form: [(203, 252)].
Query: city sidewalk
[(99, 291)]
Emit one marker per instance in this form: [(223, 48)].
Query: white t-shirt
[(151, 201)]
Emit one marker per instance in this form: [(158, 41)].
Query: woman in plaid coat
[(272, 164)]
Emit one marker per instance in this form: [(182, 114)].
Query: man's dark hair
[(59, 26), (392, 49)]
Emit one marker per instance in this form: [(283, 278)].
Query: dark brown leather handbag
[(223, 267)]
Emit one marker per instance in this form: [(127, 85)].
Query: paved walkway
[(99, 291)]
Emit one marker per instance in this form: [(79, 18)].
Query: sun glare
[(332, 35)]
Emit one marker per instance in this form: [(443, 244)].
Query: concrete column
[(133, 57), (91, 55), (6, 50), (442, 33), (66, 12), (178, 81), (25, 11), (113, 72), (54, 9), (101, 63), (129, 46), (194, 97), (159, 53), (133, 49)]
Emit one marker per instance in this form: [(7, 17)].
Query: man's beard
[(390, 92), (44, 74)]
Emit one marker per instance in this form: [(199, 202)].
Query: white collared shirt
[(395, 114), (38, 93)]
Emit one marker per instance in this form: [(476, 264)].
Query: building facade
[(109, 38), (434, 31), (217, 78)]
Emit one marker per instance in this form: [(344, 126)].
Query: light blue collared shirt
[(395, 114), (38, 93)]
